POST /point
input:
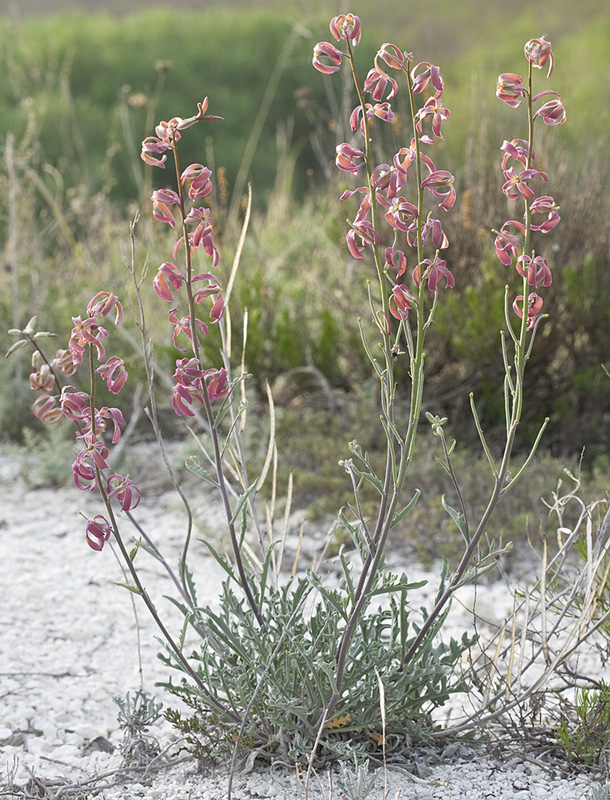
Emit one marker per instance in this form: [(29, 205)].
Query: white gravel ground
[(68, 645)]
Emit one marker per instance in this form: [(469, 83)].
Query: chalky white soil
[(68, 644)]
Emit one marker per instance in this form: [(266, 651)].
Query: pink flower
[(507, 243), (382, 111), (517, 149), (162, 199), (516, 182), (433, 106), (401, 301), (365, 205), (552, 112), (545, 205), (534, 306), (388, 178), (346, 26), (151, 148), (536, 269), (392, 55), (113, 414), (218, 306), (432, 273), (84, 467), (329, 51), (114, 373), (396, 259), (428, 73), (42, 380), (168, 275), (103, 303), (349, 159), (184, 326), (199, 178), (400, 212), (202, 235), (376, 83), (431, 231), (45, 409), (75, 405), (63, 363), (125, 492), (440, 183), (98, 532), (510, 89), (538, 52), (217, 383), (183, 397), (86, 332), (407, 155), (188, 370), (365, 232)]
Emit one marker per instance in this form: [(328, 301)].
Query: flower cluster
[(512, 240), (384, 198), (91, 463), (195, 221)]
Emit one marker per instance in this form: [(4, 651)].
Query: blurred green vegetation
[(79, 93)]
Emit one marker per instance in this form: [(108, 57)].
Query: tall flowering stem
[(514, 248), (194, 383), (389, 223)]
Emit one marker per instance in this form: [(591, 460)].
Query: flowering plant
[(265, 671)]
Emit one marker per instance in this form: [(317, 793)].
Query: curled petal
[(388, 178), (552, 112), (536, 269), (538, 52), (167, 275), (507, 242), (422, 78), (400, 212), (510, 89), (152, 147), (349, 159), (534, 306), (42, 380), (396, 259), (346, 26), (432, 271), (74, 404), (124, 490), (329, 51), (366, 233), (116, 416), (199, 178), (45, 408), (103, 303), (545, 205), (97, 532), (114, 373), (517, 149), (440, 183), (183, 397), (377, 82), (217, 383), (63, 363), (188, 371), (391, 55), (400, 302)]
